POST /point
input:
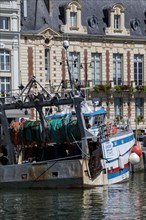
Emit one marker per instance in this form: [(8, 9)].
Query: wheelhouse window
[(118, 105), (98, 120), (5, 85), (5, 60), (117, 69), (4, 23), (139, 107), (138, 69), (96, 68), (74, 63), (73, 19)]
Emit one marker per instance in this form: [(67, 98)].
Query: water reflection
[(123, 201)]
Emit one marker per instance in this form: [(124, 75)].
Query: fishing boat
[(75, 148)]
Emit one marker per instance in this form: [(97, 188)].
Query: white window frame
[(96, 68), (5, 60), (117, 69), (5, 84), (4, 23), (138, 69)]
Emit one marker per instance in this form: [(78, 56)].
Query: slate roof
[(39, 18)]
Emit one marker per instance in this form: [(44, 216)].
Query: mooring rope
[(79, 147)]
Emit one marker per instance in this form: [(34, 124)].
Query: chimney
[(25, 8), (50, 6)]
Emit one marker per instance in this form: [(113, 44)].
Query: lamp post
[(66, 45)]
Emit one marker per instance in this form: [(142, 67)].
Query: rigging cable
[(79, 147), (64, 158)]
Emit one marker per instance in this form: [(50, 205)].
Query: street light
[(66, 45)]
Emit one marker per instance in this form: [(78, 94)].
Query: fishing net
[(62, 129), (58, 130)]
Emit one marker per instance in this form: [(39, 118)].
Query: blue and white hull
[(116, 157)]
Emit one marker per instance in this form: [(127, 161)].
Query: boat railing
[(122, 123), (115, 126), (103, 132)]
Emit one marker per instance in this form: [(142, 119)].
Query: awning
[(98, 112)]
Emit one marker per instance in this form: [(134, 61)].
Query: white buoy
[(134, 158)]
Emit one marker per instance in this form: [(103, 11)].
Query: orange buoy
[(136, 149), (114, 129)]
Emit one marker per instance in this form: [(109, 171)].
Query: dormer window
[(73, 22), (117, 21)]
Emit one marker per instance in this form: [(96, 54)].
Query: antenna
[(66, 46)]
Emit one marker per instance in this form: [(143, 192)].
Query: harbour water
[(121, 202)]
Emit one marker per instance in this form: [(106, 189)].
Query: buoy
[(134, 158), (114, 129), (136, 149)]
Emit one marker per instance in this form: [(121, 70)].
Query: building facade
[(107, 50), (9, 45)]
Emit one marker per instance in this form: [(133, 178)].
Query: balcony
[(140, 88), (124, 87), (103, 87)]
